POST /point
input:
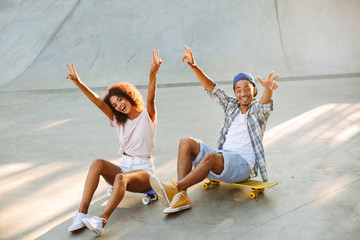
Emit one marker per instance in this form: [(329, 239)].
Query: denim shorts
[(236, 168), (128, 164)]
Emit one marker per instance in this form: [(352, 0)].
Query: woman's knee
[(120, 179), (98, 164)]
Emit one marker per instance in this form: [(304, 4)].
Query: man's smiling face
[(244, 91)]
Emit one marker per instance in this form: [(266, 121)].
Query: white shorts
[(128, 164)]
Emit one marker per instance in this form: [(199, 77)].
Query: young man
[(240, 151)]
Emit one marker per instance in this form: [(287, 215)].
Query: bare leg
[(136, 181), (98, 167), (210, 162), (189, 148)]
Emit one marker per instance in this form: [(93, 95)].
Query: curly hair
[(127, 91)]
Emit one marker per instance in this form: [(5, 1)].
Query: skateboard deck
[(150, 195), (256, 186)]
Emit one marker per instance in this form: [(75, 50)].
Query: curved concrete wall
[(111, 41)]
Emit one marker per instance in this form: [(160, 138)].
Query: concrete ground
[(50, 133)]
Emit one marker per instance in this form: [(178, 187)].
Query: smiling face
[(120, 104), (244, 92)]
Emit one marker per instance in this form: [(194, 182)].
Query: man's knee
[(209, 158), (214, 160), (185, 143), (189, 145)]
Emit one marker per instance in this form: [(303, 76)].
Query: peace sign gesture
[(156, 62), (269, 83), (72, 75), (189, 57)]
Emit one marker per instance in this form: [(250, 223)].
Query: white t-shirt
[(238, 139), (137, 136)]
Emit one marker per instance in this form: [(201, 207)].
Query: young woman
[(135, 125)]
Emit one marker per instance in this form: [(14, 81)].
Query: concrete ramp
[(50, 132), (111, 41)]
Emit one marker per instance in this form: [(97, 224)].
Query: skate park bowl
[(50, 132)]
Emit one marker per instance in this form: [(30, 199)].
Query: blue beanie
[(241, 76)]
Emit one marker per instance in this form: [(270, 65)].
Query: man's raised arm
[(206, 81)]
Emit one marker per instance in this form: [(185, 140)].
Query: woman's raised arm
[(155, 66), (88, 92)]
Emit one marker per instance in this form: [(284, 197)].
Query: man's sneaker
[(77, 224), (95, 224), (165, 191), (181, 201)]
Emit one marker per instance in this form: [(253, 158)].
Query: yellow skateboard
[(256, 186)]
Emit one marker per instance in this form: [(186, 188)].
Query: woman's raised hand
[(72, 75), (156, 63), (188, 57)]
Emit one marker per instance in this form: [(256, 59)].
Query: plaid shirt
[(257, 117)]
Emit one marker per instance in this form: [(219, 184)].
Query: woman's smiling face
[(120, 104)]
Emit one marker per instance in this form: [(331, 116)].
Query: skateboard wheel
[(252, 195), (153, 197), (146, 200), (261, 189), (206, 186)]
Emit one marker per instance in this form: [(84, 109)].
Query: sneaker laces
[(78, 217), (173, 183), (100, 219), (169, 185), (176, 198)]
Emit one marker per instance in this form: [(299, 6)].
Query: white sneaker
[(94, 224), (77, 224)]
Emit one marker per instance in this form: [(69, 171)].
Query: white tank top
[(238, 139), (137, 136)]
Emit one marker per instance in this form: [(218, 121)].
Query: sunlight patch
[(338, 123), (54, 124)]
